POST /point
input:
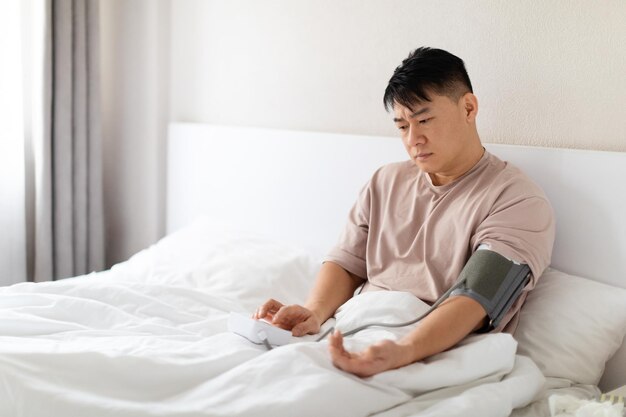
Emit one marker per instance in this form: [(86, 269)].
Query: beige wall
[(547, 73)]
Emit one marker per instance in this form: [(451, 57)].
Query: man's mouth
[(422, 156)]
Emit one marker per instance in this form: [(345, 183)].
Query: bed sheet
[(149, 338)]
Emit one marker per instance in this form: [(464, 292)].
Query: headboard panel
[(294, 186), (588, 194), (299, 186)]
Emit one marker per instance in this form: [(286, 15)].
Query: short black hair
[(426, 71)]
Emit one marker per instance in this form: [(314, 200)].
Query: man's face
[(436, 133)]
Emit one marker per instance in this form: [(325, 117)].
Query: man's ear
[(470, 106)]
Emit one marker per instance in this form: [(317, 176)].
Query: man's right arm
[(333, 287)]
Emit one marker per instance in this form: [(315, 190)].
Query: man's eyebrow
[(420, 111), (417, 113)]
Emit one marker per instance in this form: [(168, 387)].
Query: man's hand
[(377, 358), (298, 319), (333, 287), (442, 329)]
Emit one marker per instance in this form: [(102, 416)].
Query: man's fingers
[(303, 328), (289, 316), (336, 339), (337, 351), (359, 364), (282, 317), (271, 306)]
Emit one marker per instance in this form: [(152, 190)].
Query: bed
[(250, 214)]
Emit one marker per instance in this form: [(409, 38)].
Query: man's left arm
[(510, 232), (442, 329)]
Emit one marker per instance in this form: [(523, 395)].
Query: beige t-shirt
[(406, 234)]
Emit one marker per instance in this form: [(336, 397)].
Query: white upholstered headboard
[(298, 187)]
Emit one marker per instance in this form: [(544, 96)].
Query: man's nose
[(415, 136)]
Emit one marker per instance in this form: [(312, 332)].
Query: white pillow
[(570, 326), (237, 266)]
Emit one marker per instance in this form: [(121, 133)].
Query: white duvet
[(149, 338)]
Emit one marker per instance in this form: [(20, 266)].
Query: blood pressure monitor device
[(258, 331), (494, 281)]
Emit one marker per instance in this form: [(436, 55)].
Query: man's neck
[(439, 179)]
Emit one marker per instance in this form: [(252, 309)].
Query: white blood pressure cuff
[(494, 281)]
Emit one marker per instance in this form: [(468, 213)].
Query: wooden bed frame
[(298, 187)]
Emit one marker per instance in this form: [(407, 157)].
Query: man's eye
[(423, 122), (402, 127)]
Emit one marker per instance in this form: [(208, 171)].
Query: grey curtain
[(69, 235)]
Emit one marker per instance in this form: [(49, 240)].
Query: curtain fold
[(69, 231)]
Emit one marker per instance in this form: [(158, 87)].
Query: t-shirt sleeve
[(520, 228), (349, 253)]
